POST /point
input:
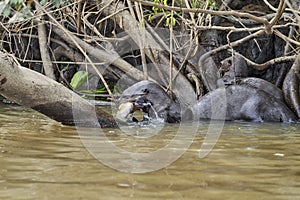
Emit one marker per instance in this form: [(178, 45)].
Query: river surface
[(42, 159)]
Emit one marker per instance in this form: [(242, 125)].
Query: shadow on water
[(41, 159)]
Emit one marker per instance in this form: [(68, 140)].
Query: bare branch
[(209, 81), (267, 64), (279, 34), (212, 12), (77, 45), (44, 49), (277, 17)]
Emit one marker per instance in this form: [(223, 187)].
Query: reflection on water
[(41, 159)]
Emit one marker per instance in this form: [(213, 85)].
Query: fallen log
[(34, 90)]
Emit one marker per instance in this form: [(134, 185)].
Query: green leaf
[(168, 22), (213, 4), (26, 11), (101, 90), (43, 2), (56, 3), (78, 79), (4, 9), (6, 12), (67, 3), (98, 91), (155, 10), (173, 21), (150, 18)]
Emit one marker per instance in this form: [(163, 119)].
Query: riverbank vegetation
[(96, 47)]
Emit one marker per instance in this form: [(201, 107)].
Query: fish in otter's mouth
[(152, 100), (126, 110)]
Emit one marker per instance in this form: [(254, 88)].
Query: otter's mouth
[(127, 109)]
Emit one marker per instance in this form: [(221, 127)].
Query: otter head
[(149, 98)]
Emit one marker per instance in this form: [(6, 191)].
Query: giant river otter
[(239, 102), (151, 99)]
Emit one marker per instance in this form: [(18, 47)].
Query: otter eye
[(145, 91)]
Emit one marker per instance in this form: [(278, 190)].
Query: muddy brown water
[(41, 159)]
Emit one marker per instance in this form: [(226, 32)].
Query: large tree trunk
[(34, 90)]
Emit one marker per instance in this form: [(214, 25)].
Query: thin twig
[(78, 46), (264, 66), (279, 12), (279, 34), (212, 12), (222, 48), (235, 29), (171, 53), (141, 39)]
